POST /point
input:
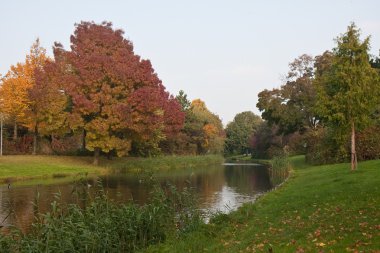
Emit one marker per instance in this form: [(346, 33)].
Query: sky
[(224, 52)]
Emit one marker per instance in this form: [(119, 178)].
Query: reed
[(100, 225), (279, 169)]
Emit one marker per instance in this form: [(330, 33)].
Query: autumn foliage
[(98, 90)]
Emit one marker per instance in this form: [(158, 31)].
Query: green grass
[(319, 209), (161, 163), (28, 167), (22, 167), (245, 158)]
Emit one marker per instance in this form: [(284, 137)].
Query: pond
[(217, 188)]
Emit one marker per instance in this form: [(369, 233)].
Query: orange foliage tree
[(17, 83), (14, 95), (208, 127)]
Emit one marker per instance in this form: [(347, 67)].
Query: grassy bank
[(27, 167), (162, 163), (247, 158), (320, 209), (24, 167)]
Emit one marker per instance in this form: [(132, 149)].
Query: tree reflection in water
[(218, 188)]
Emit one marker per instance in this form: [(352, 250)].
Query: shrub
[(23, 145), (326, 146), (66, 145), (368, 143)]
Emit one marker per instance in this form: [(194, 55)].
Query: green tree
[(183, 101), (375, 62), (240, 131), (291, 107), (348, 92)]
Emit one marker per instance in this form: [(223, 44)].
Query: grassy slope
[(321, 208), (28, 167)]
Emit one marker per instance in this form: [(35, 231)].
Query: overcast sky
[(223, 52)]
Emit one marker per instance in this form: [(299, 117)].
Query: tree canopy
[(116, 96), (240, 131), (291, 106)]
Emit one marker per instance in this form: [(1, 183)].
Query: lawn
[(319, 209), (23, 167), (28, 166)]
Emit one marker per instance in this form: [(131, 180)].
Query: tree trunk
[(354, 161), (15, 131), (96, 156), (84, 140), (35, 136)]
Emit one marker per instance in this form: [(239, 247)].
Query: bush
[(23, 145), (368, 143), (326, 146), (66, 145), (295, 143)]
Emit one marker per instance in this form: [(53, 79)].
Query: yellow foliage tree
[(16, 87), (14, 95), (211, 134)]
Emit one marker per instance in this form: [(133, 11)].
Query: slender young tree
[(348, 92), (35, 62)]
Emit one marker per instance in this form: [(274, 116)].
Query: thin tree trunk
[(15, 131), (35, 140), (96, 156), (84, 140), (354, 161)]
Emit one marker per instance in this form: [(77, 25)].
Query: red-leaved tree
[(116, 97)]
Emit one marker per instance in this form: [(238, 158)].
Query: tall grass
[(279, 169), (104, 226)]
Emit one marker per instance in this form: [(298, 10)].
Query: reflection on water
[(219, 188)]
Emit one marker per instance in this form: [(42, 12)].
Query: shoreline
[(317, 209), (19, 168)]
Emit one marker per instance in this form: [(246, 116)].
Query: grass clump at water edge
[(279, 169)]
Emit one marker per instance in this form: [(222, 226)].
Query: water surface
[(218, 188)]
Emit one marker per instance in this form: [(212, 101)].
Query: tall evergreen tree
[(349, 91)]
